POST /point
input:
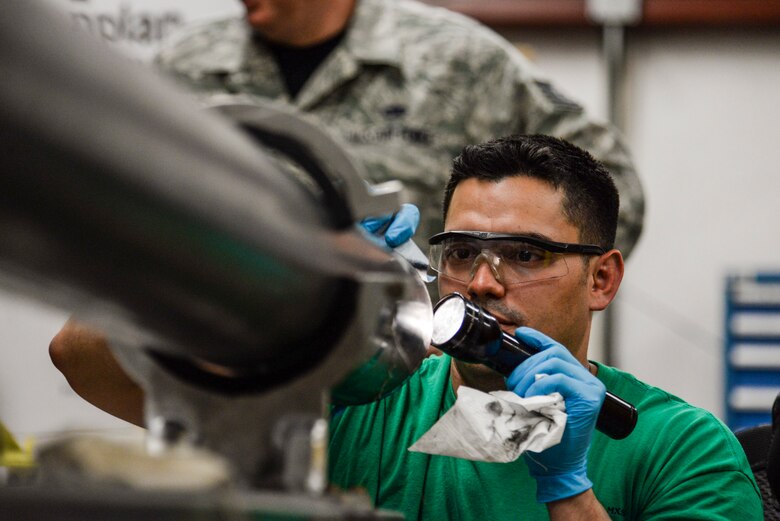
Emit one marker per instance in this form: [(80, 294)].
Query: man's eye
[(524, 255), (459, 254)]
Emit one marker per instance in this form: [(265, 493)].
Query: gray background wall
[(703, 117)]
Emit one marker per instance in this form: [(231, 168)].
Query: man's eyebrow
[(535, 235), (529, 234)]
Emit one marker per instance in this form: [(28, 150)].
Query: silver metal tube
[(121, 198)]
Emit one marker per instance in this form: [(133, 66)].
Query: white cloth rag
[(495, 427)]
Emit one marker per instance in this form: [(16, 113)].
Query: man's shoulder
[(624, 383), (414, 14), (676, 457), (206, 46), (662, 412), (435, 31)]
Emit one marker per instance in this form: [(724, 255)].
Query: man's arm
[(83, 357), (561, 471), (583, 507)]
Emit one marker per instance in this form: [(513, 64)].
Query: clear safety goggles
[(513, 259)]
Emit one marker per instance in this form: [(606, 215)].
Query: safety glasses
[(513, 259)]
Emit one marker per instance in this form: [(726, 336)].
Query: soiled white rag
[(495, 427)]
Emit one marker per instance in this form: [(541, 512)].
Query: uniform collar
[(373, 33), (371, 38)]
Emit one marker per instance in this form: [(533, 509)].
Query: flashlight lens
[(448, 319)]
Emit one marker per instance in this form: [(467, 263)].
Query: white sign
[(138, 27)]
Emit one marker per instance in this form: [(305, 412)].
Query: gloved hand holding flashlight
[(400, 225), (560, 471)]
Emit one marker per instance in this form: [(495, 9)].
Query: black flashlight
[(467, 332)]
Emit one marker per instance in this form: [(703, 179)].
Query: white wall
[(705, 135), (138, 27), (703, 119), (702, 123)]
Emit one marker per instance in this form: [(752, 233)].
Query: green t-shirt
[(679, 463)]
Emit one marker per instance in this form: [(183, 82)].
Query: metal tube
[(614, 56), (123, 199)]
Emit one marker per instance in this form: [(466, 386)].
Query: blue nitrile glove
[(560, 471), (402, 225)]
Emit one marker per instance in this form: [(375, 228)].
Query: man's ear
[(605, 278)]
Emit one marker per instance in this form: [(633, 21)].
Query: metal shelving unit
[(752, 348)]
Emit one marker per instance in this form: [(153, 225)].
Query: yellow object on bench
[(13, 455)]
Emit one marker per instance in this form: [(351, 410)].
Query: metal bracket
[(363, 200)]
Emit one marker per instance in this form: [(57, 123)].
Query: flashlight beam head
[(464, 330)]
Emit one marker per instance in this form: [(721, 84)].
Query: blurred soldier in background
[(403, 85)]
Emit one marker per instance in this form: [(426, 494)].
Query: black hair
[(590, 198)]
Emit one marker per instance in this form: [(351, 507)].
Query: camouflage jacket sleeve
[(507, 78), (553, 114)]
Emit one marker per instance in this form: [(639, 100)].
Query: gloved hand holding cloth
[(559, 471)]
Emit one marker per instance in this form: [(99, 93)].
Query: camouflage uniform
[(406, 89)]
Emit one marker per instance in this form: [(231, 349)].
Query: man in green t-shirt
[(529, 235)]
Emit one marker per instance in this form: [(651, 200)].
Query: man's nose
[(484, 282)]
